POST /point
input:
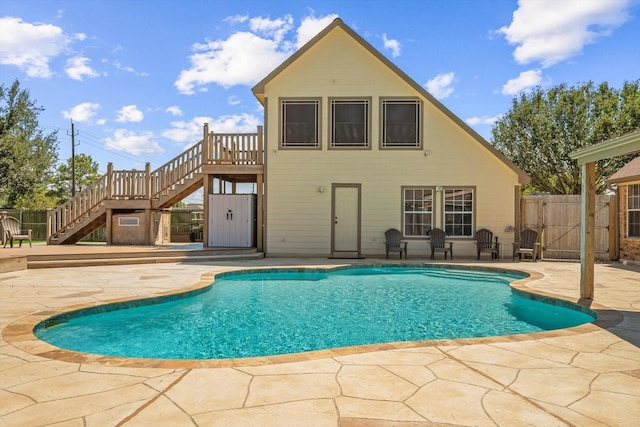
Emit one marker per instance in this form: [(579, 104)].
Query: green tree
[(27, 155), (544, 126), (41, 198), (86, 172)]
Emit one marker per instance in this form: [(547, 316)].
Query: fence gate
[(557, 218)]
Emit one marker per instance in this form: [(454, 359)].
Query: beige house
[(353, 147), (627, 180)]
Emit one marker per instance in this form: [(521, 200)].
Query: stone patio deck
[(584, 376)]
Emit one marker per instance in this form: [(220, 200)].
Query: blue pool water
[(279, 312)]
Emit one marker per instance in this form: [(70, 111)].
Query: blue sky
[(139, 77)]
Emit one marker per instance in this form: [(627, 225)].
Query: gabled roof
[(629, 172), (258, 89)]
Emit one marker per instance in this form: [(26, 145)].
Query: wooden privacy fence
[(557, 219)]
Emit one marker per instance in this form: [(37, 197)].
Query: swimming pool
[(269, 312)]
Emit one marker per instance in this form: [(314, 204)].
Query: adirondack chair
[(393, 243), (438, 243), (11, 230), (528, 245), (485, 243)]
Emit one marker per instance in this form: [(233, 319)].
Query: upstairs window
[(300, 123), (418, 211), (458, 212), (401, 123), (349, 123), (633, 210)]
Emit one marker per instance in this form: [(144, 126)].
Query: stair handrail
[(182, 167), (62, 217), (222, 148)]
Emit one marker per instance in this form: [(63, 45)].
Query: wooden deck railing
[(233, 148), (214, 149), (129, 184)]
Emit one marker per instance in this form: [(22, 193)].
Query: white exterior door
[(346, 218)]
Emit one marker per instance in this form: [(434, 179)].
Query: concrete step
[(77, 261)]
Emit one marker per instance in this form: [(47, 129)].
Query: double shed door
[(231, 220)]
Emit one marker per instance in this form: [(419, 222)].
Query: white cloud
[(77, 68), (526, 80), (81, 112), (174, 110), (128, 69), (484, 120), (273, 28), (311, 26), (129, 113), (245, 57), (234, 100), (392, 44), (30, 47), (551, 31), (189, 133), (133, 142), (236, 19), (441, 85)]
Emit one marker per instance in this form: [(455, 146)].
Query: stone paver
[(586, 376)]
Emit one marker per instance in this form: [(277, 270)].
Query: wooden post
[(205, 145), (588, 230), (207, 181), (260, 217), (517, 221), (49, 226), (614, 227), (109, 180), (147, 179), (540, 223), (260, 148), (109, 230)]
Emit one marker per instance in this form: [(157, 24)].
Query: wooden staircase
[(158, 189)]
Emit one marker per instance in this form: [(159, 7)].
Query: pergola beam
[(587, 158)]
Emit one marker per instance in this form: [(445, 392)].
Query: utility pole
[(73, 159)]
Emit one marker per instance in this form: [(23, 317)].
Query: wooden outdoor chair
[(393, 243), (438, 244), (11, 230), (485, 243), (528, 245)]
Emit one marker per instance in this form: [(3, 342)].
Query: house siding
[(299, 217), (629, 247)]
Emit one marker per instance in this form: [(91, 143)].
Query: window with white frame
[(300, 123), (458, 211), (633, 210), (418, 211), (401, 123), (349, 123)]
